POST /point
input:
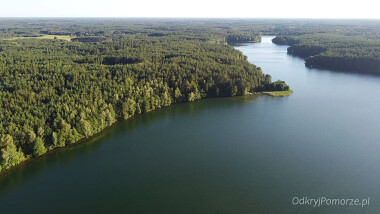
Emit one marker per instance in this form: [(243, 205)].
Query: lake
[(251, 154)]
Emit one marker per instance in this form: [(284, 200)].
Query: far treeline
[(65, 80), (354, 48)]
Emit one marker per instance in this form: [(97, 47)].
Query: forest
[(65, 80), (350, 50)]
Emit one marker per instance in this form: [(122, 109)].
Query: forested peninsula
[(65, 80), (349, 51)]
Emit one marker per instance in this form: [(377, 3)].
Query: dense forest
[(65, 80), (348, 51), (62, 80)]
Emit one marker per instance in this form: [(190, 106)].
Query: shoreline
[(82, 141), (321, 64), (31, 159)]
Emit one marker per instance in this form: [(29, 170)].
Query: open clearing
[(62, 37)]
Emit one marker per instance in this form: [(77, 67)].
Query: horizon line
[(137, 17)]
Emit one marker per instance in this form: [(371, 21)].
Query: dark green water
[(228, 155)]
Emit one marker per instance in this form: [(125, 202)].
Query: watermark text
[(325, 201)]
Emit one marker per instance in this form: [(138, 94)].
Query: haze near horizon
[(367, 9)]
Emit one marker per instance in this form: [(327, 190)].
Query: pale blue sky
[(192, 8)]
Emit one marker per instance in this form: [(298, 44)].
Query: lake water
[(226, 155)]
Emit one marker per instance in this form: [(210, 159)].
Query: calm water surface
[(226, 155)]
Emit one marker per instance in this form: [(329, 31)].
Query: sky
[(363, 9)]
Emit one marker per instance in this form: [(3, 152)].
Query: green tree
[(31, 136), (39, 147), (178, 95), (86, 127), (191, 97), (9, 154)]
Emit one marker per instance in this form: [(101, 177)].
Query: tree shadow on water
[(53, 160)]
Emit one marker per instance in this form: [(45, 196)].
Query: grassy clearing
[(67, 38), (278, 93)]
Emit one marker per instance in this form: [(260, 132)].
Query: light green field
[(278, 93), (67, 38)]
